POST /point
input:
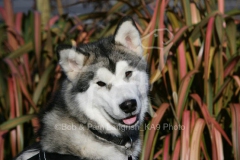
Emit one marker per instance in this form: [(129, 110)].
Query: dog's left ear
[(128, 35)]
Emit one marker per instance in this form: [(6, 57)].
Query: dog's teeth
[(130, 121)]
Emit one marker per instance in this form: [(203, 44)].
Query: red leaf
[(182, 93), (12, 66), (158, 154), (13, 133), (18, 23), (207, 46), (209, 120), (196, 139), (182, 60), (152, 25), (176, 152), (231, 66), (204, 150), (37, 37), (219, 143), (160, 35), (3, 13), (52, 21), (166, 146), (27, 69), (11, 98), (13, 137), (15, 95), (155, 121), (23, 87), (235, 111), (2, 144), (219, 128), (179, 33), (27, 95), (185, 135), (10, 24)]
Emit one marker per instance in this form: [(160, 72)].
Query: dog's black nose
[(129, 106)]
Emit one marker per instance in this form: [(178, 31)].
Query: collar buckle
[(129, 143)]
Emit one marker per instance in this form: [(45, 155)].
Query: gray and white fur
[(106, 89)]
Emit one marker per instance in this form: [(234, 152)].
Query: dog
[(99, 107)]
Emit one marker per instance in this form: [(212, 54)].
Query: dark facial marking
[(106, 52), (83, 83)]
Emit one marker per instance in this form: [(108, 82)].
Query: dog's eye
[(128, 74), (100, 83)]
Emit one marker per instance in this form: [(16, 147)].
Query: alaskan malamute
[(98, 110)]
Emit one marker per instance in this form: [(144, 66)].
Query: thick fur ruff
[(98, 110)]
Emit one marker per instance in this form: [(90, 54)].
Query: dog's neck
[(126, 141), (81, 139)]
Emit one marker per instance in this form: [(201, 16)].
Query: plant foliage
[(193, 52)]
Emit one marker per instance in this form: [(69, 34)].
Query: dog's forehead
[(108, 55), (121, 66)]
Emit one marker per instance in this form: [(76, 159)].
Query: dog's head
[(107, 83)]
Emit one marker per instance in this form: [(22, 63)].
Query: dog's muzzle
[(128, 106)]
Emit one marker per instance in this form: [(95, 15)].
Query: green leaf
[(219, 27), (233, 12), (173, 19), (231, 31), (197, 29), (187, 11), (93, 15), (3, 91), (16, 121), (22, 50), (42, 83), (28, 27)]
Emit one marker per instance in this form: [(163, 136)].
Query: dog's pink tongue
[(130, 121)]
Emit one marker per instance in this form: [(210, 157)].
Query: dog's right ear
[(71, 60)]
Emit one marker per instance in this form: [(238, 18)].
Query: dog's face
[(107, 83)]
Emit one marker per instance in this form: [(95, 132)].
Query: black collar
[(122, 141), (53, 156)]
